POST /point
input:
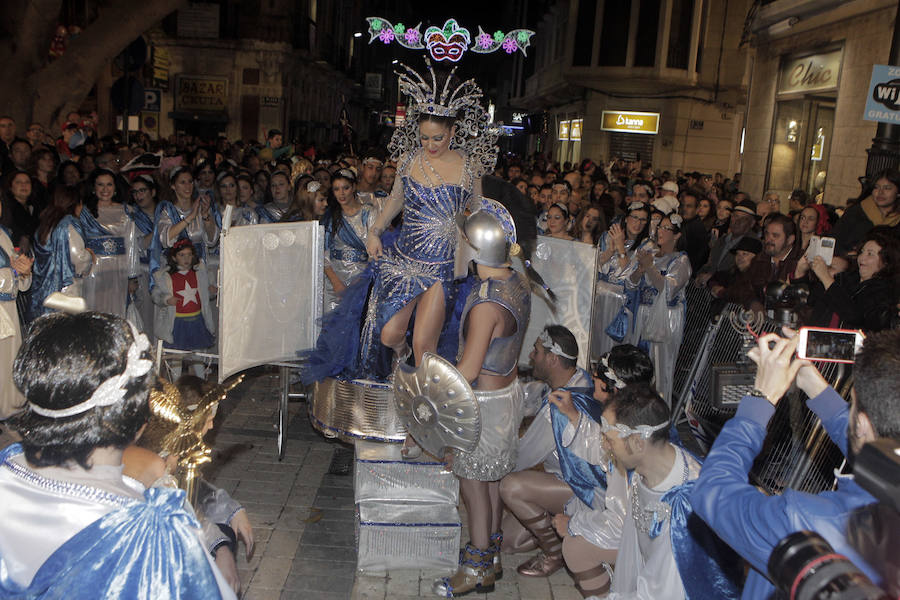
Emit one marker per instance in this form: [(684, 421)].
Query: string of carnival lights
[(449, 42)]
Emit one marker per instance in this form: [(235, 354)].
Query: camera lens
[(806, 566)]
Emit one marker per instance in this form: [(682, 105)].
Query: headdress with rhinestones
[(472, 135)]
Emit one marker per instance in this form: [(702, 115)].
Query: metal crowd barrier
[(797, 452), (699, 313)]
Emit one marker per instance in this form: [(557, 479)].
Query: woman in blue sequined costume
[(434, 186), (442, 149)]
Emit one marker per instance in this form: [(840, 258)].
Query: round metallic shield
[(438, 405)]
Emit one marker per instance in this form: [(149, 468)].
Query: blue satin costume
[(53, 269), (139, 549), (421, 255)]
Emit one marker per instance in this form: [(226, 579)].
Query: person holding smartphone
[(862, 298)]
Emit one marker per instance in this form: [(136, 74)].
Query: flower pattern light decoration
[(450, 42)]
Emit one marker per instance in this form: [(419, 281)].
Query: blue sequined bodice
[(429, 220)]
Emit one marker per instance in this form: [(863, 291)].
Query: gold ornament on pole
[(185, 440)]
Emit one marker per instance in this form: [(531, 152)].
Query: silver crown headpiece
[(427, 98)]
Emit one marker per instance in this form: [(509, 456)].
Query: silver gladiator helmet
[(438, 405), (488, 235)]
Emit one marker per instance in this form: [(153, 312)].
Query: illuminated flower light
[(411, 36), (498, 36), (376, 24), (523, 36), (399, 29), (386, 35), (485, 41), (510, 45)]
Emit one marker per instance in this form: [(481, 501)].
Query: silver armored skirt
[(495, 455)]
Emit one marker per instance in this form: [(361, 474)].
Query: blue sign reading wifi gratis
[(883, 101)]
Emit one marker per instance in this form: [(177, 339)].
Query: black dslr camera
[(805, 567)]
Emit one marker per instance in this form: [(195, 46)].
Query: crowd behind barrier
[(691, 270)]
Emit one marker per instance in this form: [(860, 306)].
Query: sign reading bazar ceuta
[(630, 122)]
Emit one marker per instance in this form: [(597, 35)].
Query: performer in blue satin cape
[(72, 527), (60, 258), (443, 149)]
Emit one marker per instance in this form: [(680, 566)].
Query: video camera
[(805, 567)]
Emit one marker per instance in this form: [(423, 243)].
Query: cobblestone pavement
[(304, 517)]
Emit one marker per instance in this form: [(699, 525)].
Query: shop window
[(614, 33), (631, 146), (647, 32), (680, 34), (584, 33), (801, 144)]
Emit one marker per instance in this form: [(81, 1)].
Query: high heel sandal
[(475, 574)]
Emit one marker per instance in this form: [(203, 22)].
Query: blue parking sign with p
[(152, 99)]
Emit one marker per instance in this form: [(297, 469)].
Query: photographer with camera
[(752, 522)]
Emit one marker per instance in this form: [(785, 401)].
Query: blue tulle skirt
[(190, 333)]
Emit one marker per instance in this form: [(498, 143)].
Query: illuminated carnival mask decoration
[(449, 42)]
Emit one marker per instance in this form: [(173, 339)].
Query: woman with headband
[(310, 200), (558, 222), (612, 318), (347, 222), (660, 277)]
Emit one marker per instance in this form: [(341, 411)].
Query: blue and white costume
[(72, 532), (345, 251), (60, 264)]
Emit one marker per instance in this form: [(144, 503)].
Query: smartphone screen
[(832, 345)]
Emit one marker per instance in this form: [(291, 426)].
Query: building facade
[(659, 80), (810, 71), (241, 68)]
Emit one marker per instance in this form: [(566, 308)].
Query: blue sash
[(346, 234), (91, 227), (106, 246), (53, 269), (144, 224), (581, 476), (264, 215), (141, 219)]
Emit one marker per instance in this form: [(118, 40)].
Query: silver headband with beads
[(552, 346)]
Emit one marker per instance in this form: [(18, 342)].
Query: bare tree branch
[(67, 81)]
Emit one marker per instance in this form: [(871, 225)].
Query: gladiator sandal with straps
[(475, 574), (496, 542), (601, 569), (550, 559)]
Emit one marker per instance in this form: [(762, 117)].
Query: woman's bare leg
[(393, 333), (429, 321), (478, 508)]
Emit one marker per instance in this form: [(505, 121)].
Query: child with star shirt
[(183, 317)]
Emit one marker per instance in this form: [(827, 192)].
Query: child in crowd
[(183, 318)]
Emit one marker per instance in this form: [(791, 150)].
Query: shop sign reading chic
[(813, 73), (201, 93), (630, 122)]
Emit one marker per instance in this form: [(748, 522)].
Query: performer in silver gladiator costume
[(492, 329)]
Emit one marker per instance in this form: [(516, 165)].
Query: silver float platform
[(356, 410)]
